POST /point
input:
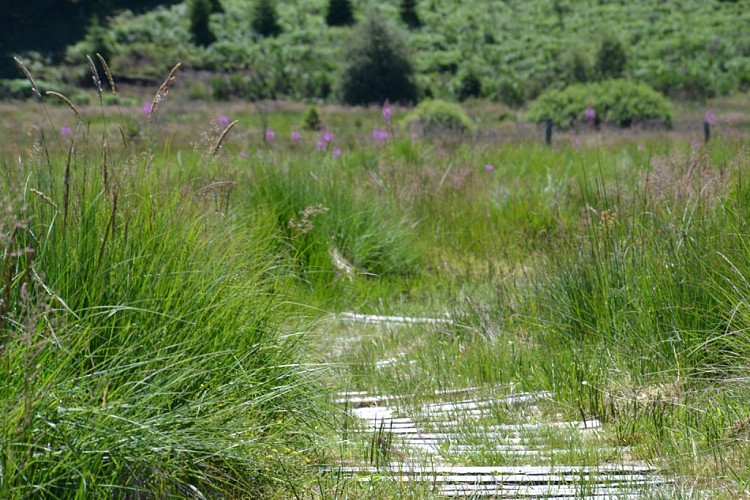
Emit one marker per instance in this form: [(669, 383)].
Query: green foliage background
[(693, 49)]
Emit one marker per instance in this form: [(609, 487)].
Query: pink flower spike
[(590, 114), (336, 153), (380, 135), (147, 107), (322, 145), (223, 120), (270, 135), (710, 117), (66, 131), (489, 168), (328, 137), (387, 112), (295, 136), (243, 154)]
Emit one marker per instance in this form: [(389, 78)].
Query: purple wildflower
[(66, 131), (710, 117), (387, 112), (414, 136), (322, 145), (270, 135), (295, 136), (147, 107), (590, 114), (243, 154), (336, 153), (379, 135), (489, 168), (328, 137), (576, 143), (223, 120)]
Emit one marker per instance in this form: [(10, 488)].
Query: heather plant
[(378, 66)]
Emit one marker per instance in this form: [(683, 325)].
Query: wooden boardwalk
[(424, 442)]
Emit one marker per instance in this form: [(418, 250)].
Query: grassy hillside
[(508, 51)]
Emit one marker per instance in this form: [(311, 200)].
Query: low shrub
[(616, 102), (438, 116)]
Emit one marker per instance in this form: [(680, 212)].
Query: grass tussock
[(142, 345)]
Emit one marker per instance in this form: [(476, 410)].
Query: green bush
[(616, 102), (439, 116), (378, 68)]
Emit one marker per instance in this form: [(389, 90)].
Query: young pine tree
[(611, 59), (378, 67), (408, 12), (200, 10), (265, 19), (339, 13)]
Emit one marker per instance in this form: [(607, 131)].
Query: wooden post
[(548, 131), (706, 131)]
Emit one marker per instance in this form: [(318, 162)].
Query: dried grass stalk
[(43, 196), (67, 102), (95, 76), (34, 86), (223, 135), (163, 90), (108, 73)]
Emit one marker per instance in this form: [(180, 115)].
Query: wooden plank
[(502, 469), (351, 317), (575, 425), (522, 479)]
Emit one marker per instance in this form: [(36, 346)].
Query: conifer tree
[(409, 16), (379, 67), (340, 13), (265, 19), (200, 10)]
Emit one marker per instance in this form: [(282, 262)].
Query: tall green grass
[(144, 340)]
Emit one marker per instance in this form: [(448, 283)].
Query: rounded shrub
[(379, 67), (439, 116), (615, 102)]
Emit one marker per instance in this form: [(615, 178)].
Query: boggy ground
[(608, 276)]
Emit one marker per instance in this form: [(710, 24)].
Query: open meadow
[(179, 285)]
